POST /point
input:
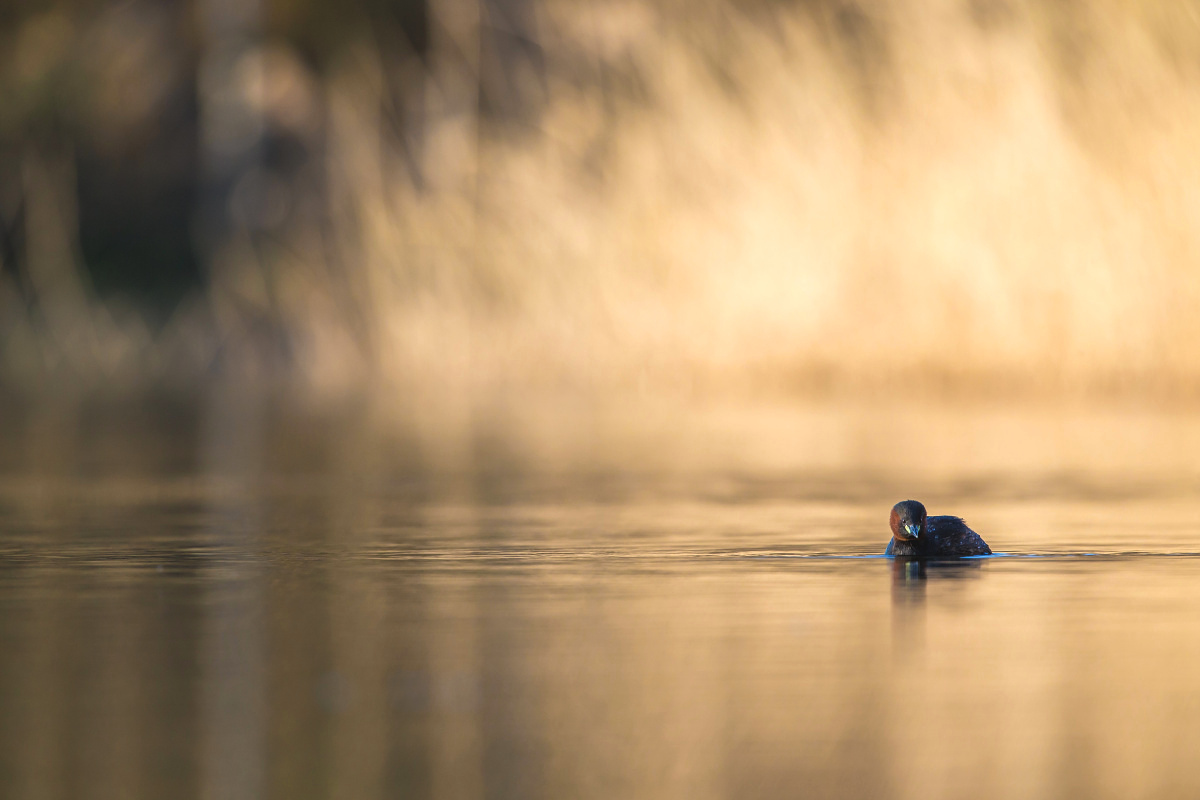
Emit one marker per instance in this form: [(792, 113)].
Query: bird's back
[(950, 536)]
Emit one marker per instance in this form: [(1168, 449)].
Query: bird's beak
[(913, 530)]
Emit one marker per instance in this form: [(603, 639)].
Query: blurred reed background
[(670, 197)]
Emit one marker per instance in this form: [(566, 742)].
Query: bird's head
[(908, 520)]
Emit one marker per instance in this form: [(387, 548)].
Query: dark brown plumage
[(915, 534)]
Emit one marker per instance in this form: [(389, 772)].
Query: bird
[(915, 534)]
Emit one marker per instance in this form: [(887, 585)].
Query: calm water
[(228, 602)]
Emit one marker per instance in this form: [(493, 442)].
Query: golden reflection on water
[(261, 607)]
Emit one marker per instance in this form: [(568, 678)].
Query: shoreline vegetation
[(971, 201)]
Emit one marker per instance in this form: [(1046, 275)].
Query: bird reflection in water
[(910, 579), (910, 574)]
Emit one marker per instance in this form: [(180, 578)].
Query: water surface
[(226, 603)]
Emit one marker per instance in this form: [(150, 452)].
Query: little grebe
[(915, 534)]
